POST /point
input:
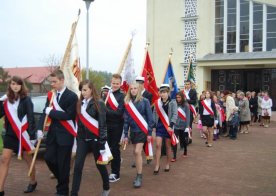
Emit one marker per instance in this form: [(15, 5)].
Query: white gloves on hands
[(33, 142), (199, 122), (187, 130), (216, 122), (39, 134), (48, 110), (3, 98)]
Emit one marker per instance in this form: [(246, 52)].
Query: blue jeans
[(233, 131)]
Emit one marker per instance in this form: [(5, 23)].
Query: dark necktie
[(58, 94)]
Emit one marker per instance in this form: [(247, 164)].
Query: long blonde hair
[(139, 96)]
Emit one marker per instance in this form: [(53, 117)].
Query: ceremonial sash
[(165, 120), (181, 114), (112, 101), (137, 117), (192, 109), (93, 126), (67, 124), (186, 95), (19, 127), (148, 150), (206, 107)]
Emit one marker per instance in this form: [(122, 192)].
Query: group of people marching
[(102, 123), (98, 123)]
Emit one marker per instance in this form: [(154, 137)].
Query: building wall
[(164, 32)]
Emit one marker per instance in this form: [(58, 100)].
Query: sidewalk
[(246, 166)]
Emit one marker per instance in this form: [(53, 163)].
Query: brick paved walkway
[(246, 166)]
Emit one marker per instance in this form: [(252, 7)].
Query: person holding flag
[(115, 122), (170, 79), (191, 96), (208, 116), (182, 125), (20, 134), (92, 135), (62, 130), (164, 116), (139, 121)]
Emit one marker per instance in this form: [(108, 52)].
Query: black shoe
[(167, 169), (30, 188), (190, 141), (149, 161), (155, 172), (2, 193), (133, 165)]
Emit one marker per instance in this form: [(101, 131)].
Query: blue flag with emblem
[(171, 80)]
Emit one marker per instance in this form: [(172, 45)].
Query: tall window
[(231, 26), (271, 28), (257, 27), (219, 26), (244, 26)]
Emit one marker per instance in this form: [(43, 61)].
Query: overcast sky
[(32, 30)]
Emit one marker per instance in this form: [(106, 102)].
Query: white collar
[(61, 91)]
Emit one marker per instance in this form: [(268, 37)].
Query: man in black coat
[(145, 93), (59, 140), (191, 96), (115, 123)]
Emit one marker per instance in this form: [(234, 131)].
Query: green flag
[(191, 75)]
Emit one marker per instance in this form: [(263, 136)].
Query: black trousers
[(183, 140), (114, 135), (83, 148), (58, 160)]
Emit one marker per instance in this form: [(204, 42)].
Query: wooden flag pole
[(39, 140), (68, 47), (120, 69), (169, 60), (189, 66), (145, 56)]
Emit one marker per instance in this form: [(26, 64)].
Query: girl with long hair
[(208, 116), (91, 136), (139, 121), (181, 127), (17, 108)]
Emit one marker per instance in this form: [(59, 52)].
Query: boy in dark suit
[(60, 136)]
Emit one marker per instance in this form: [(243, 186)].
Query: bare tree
[(52, 61)]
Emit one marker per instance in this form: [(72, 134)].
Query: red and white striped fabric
[(137, 117), (93, 126), (193, 110), (68, 124), (181, 114), (112, 101), (207, 108), (149, 150), (19, 127), (165, 120)]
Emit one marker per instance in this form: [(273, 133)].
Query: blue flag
[(170, 79)]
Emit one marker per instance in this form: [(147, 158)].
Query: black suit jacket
[(193, 97), (57, 132), (148, 96), (25, 107)]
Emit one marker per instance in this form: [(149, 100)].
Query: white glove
[(216, 122), (199, 122), (3, 98), (102, 151), (187, 130), (33, 142), (39, 134), (48, 110)]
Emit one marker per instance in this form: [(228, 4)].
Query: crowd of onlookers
[(236, 112)]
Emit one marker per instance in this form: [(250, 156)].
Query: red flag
[(150, 83)]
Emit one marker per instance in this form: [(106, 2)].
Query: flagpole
[(68, 47), (145, 56), (169, 61), (190, 59), (120, 69)]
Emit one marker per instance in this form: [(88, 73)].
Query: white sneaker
[(113, 178)]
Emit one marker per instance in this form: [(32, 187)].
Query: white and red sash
[(186, 94), (67, 124), (148, 150), (137, 117), (206, 107), (181, 114), (93, 126), (165, 120), (19, 127), (192, 109), (112, 101)]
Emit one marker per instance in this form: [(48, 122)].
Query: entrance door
[(253, 80)]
